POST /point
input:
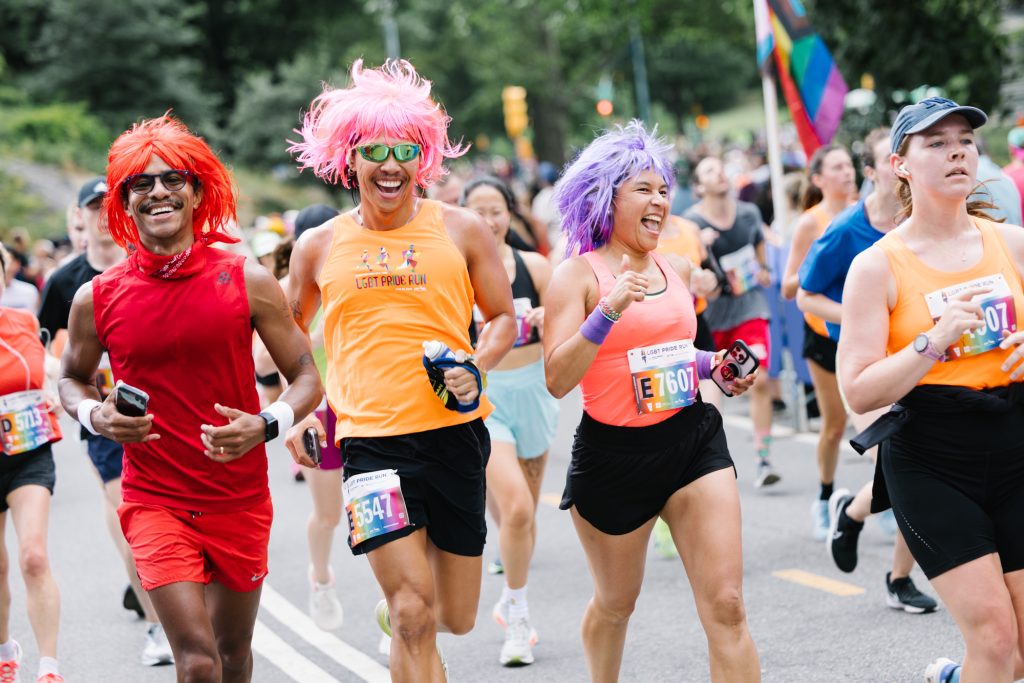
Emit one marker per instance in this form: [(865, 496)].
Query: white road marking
[(286, 658), (362, 665)]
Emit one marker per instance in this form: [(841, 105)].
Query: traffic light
[(513, 99), (605, 108)]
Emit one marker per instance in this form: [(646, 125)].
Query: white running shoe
[(383, 617), (9, 668), (766, 476), (384, 645), (940, 670), (820, 520), (324, 606), (500, 614), (518, 648), (157, 651)]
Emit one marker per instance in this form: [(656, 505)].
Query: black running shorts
[(32, 468), (621, 477), (442, 478), (822, 350), (957, 488)]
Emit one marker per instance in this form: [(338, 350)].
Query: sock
[(826, 491), (8, 651), (517, 608), (48, 665), (762, 443)]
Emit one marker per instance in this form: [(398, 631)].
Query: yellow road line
[(822, 583)]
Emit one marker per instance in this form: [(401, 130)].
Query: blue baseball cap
[(915, 118)]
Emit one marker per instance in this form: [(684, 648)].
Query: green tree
[(953, 44), (126, 59)]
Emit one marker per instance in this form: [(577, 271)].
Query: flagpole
[(771, 118)]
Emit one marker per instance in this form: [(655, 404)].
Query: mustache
[(175, 202)]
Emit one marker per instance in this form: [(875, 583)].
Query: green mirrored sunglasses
[(379, 153)]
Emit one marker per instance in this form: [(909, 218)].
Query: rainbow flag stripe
[(811, 83)]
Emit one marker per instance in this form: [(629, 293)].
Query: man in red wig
[(176, 318)]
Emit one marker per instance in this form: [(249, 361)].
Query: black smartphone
[(739, 362), (130, 401), (311, 441)]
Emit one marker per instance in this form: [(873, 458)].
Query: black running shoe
[(130, 602), (903, 594), (843, 532)]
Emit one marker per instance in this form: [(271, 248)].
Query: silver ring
[(222, 450)]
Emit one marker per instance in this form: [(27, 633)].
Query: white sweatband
[(85, 409), (284, 415)]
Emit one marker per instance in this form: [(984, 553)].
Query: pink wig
[(392, 101), (170, 140)]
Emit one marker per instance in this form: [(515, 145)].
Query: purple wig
[(393, 101), (586, 191)]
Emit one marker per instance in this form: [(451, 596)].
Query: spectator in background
[(18, 293), (76, 231), (543, 207), (263, 243), (1015, 169), (996, 188)]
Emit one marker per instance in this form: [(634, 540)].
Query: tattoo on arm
[(306, 359), (297, 312)]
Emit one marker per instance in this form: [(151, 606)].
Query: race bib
[(998, 313), (664, 376), (741, 269), (524, 329), (25, 422), (374, 504)]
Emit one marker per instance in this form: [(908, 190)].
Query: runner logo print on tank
[(997, 311)]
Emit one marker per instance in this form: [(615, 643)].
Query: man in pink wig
[(413, 465)]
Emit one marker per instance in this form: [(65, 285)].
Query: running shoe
[(495, 566), (50, 678), (887, 523), (903, 594), (130, 602), (500, 614), (9, 668), (819, 520), (324, 606), (157, 651), (766, 476), (518, 647), (663, 543), (384, 617), (384, 645), (843, 531), (940, 671)]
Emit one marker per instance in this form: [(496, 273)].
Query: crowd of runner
[(631, 273)]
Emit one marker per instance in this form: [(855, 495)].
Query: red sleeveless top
[(187, 342)]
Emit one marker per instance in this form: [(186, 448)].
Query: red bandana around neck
[(176, 266)]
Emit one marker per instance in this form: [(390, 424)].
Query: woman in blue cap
[(930, 323)]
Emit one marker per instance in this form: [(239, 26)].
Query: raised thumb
[(625, 264)]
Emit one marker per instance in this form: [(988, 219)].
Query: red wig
[(170, 140)]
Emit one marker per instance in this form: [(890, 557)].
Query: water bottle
[(437, 358)]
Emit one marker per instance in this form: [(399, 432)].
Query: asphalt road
[(810, 622)]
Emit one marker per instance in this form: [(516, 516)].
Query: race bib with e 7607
[(997, 312), (664, 376)]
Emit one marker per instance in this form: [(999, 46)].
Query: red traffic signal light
[(605, 107)]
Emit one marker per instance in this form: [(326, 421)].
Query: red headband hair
[(170, 140)]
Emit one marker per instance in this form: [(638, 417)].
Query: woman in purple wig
[(620, 323)]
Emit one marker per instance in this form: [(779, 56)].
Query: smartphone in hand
[(311, 442), (130, 401), (739, 362)]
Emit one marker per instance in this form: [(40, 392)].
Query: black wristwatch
[(270, 431)]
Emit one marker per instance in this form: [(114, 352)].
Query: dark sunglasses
[(143, 183), (379, 153)]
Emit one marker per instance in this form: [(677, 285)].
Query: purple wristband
[(596, 327), (704, 359)]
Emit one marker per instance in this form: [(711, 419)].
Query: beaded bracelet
[(608, 311)]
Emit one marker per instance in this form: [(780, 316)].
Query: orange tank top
[(385, 292), (821, 220), (687, 244), (974, 361), (608, 385)]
